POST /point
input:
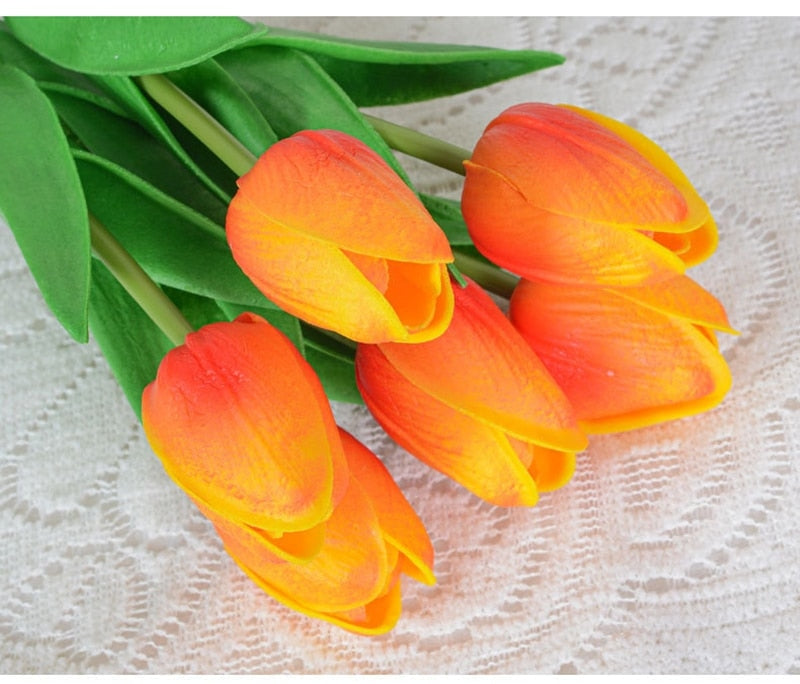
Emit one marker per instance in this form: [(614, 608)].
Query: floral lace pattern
[(673, 549)]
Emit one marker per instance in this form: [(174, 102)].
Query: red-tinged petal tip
[(240, 421), (621, 364)]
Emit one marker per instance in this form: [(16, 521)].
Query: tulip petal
[(473, 453), (323, 285), (550, 469), (681, 297), (586, 170), (400, 524), (376, 617), (374, 269), (555, 193), (621, 365), (481, 367), (699, 228), (351, 569), (294, 547), (238, 419), (540, 245), (332, 187)]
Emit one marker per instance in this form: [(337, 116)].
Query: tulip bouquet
[(206, 197)]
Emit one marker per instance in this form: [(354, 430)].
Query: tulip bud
[(627, 357), (241, 423), (326, 230), (475, 404), (371, 539), (564, 195)]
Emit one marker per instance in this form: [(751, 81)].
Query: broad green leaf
[(198, 310), (14, 53), (334, 363), (447, 213), (337, 375), (42, 199), (131, 45), (132, 344), (175, 245), (294, 93), (126, 94), (387, 73), (212, 87), (286, 323), (123, 141)]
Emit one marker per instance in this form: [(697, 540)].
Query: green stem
[(487, 276), (199, 122), (137, 283), (421, 146)]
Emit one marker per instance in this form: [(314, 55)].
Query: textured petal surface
[(331, 186), (569, 165), (310, 279), (239, 421), (295, 547), (481, 367), (400, 524), (351, 569), (540, 245), (621, 364), (475, 454), (682, 297), (699, 229), (560, 194), (368, 299)]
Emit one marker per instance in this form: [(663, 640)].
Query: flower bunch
[(235, 294)]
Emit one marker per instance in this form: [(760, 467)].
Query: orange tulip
[(372, 538), (326, 230), (475, 404), (627, 357), (242, 424), (564, 195)]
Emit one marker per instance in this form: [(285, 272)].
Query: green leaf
[(125, 92), (123, 141), (132, 344), (447, 213), (334, 363), (131, 45), (175, 245), (387, 73), (294, 93), (42, 200), (198, 310), (214, 90), (16, 54)]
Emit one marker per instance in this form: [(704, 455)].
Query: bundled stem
[(199, 122), (488, 276), (138, 284), (421, 146)]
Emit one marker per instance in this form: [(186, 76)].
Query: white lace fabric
[(675, 549)]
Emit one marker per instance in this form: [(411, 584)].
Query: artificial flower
[(371, 539), (475, 404), (242, 424), (627, 357), (559, 194), (331, 234)]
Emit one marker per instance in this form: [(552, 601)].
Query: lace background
[(674, 549)]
